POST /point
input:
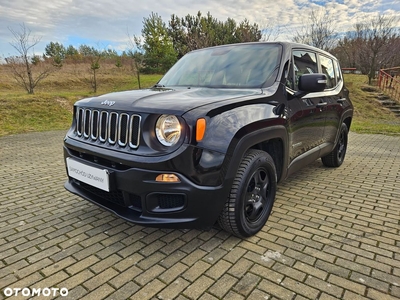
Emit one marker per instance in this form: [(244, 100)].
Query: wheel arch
[(272, 140), (347, 121)]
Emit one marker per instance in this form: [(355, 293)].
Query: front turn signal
[(200, 129), (167, 178)]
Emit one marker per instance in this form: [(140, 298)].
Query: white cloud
[(107, 21)]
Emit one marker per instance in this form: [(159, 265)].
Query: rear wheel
[(252, 195), (336, 157)]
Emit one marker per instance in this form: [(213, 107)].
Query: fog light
[(167, 178)]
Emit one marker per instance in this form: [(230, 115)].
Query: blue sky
[(105, 23)]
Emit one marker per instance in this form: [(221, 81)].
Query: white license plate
[(93, 176)]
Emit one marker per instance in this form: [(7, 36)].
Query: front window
[(305, 62), (232, 66)]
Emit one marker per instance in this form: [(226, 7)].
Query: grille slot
[(95, 125), (123, 130), (113, 127), (79, 121), (103, 126), (86, 123), (134, 132)]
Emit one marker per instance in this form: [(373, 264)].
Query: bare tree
[(347, 50), (136, 55), (94, 66), (320, 32), (377, 41), (26, 63), (91, 58), (269, 32)]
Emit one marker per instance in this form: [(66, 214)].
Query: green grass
[(50, 108), (369, 115), (39, 112)]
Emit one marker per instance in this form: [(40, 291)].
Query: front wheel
[(252, 195), (336, 157)]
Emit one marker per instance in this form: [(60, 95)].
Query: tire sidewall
[(343, 130), (263, 160)]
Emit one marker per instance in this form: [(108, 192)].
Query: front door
[(306, 115)]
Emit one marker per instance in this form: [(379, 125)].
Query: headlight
[(168, 130)]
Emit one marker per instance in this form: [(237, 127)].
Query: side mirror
[(312, 82), (309, 83)]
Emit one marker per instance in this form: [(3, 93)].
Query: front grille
[(116, 128)]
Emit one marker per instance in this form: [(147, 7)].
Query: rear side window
[(338, 72), (329, 70)]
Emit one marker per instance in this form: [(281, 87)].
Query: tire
[(336, 157), (252, 195)]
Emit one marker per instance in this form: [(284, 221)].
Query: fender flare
[(237, 150), (348, 114)]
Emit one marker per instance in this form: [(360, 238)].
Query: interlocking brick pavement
[(333, 234)]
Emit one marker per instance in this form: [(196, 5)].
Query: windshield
[(234, 66)]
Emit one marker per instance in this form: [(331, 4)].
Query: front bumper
[(136, 196)]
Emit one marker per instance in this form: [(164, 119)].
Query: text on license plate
[(93, 176)]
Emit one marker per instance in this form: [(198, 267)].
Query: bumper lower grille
[(118, 197), (108, 127)]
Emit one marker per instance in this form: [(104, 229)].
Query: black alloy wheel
[(336, 157), (252, 195)]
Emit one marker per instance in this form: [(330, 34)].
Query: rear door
[(333, 98)]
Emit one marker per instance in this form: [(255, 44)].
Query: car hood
[(171, 101)]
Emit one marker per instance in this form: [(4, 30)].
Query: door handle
[(341, 100), (322, 104)]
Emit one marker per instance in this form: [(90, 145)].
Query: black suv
[(209, 142)]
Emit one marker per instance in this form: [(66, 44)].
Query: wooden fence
[(389, 82)]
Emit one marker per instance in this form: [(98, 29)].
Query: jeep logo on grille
[(109, 103)]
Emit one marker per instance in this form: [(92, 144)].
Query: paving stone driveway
[(333, 234)]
